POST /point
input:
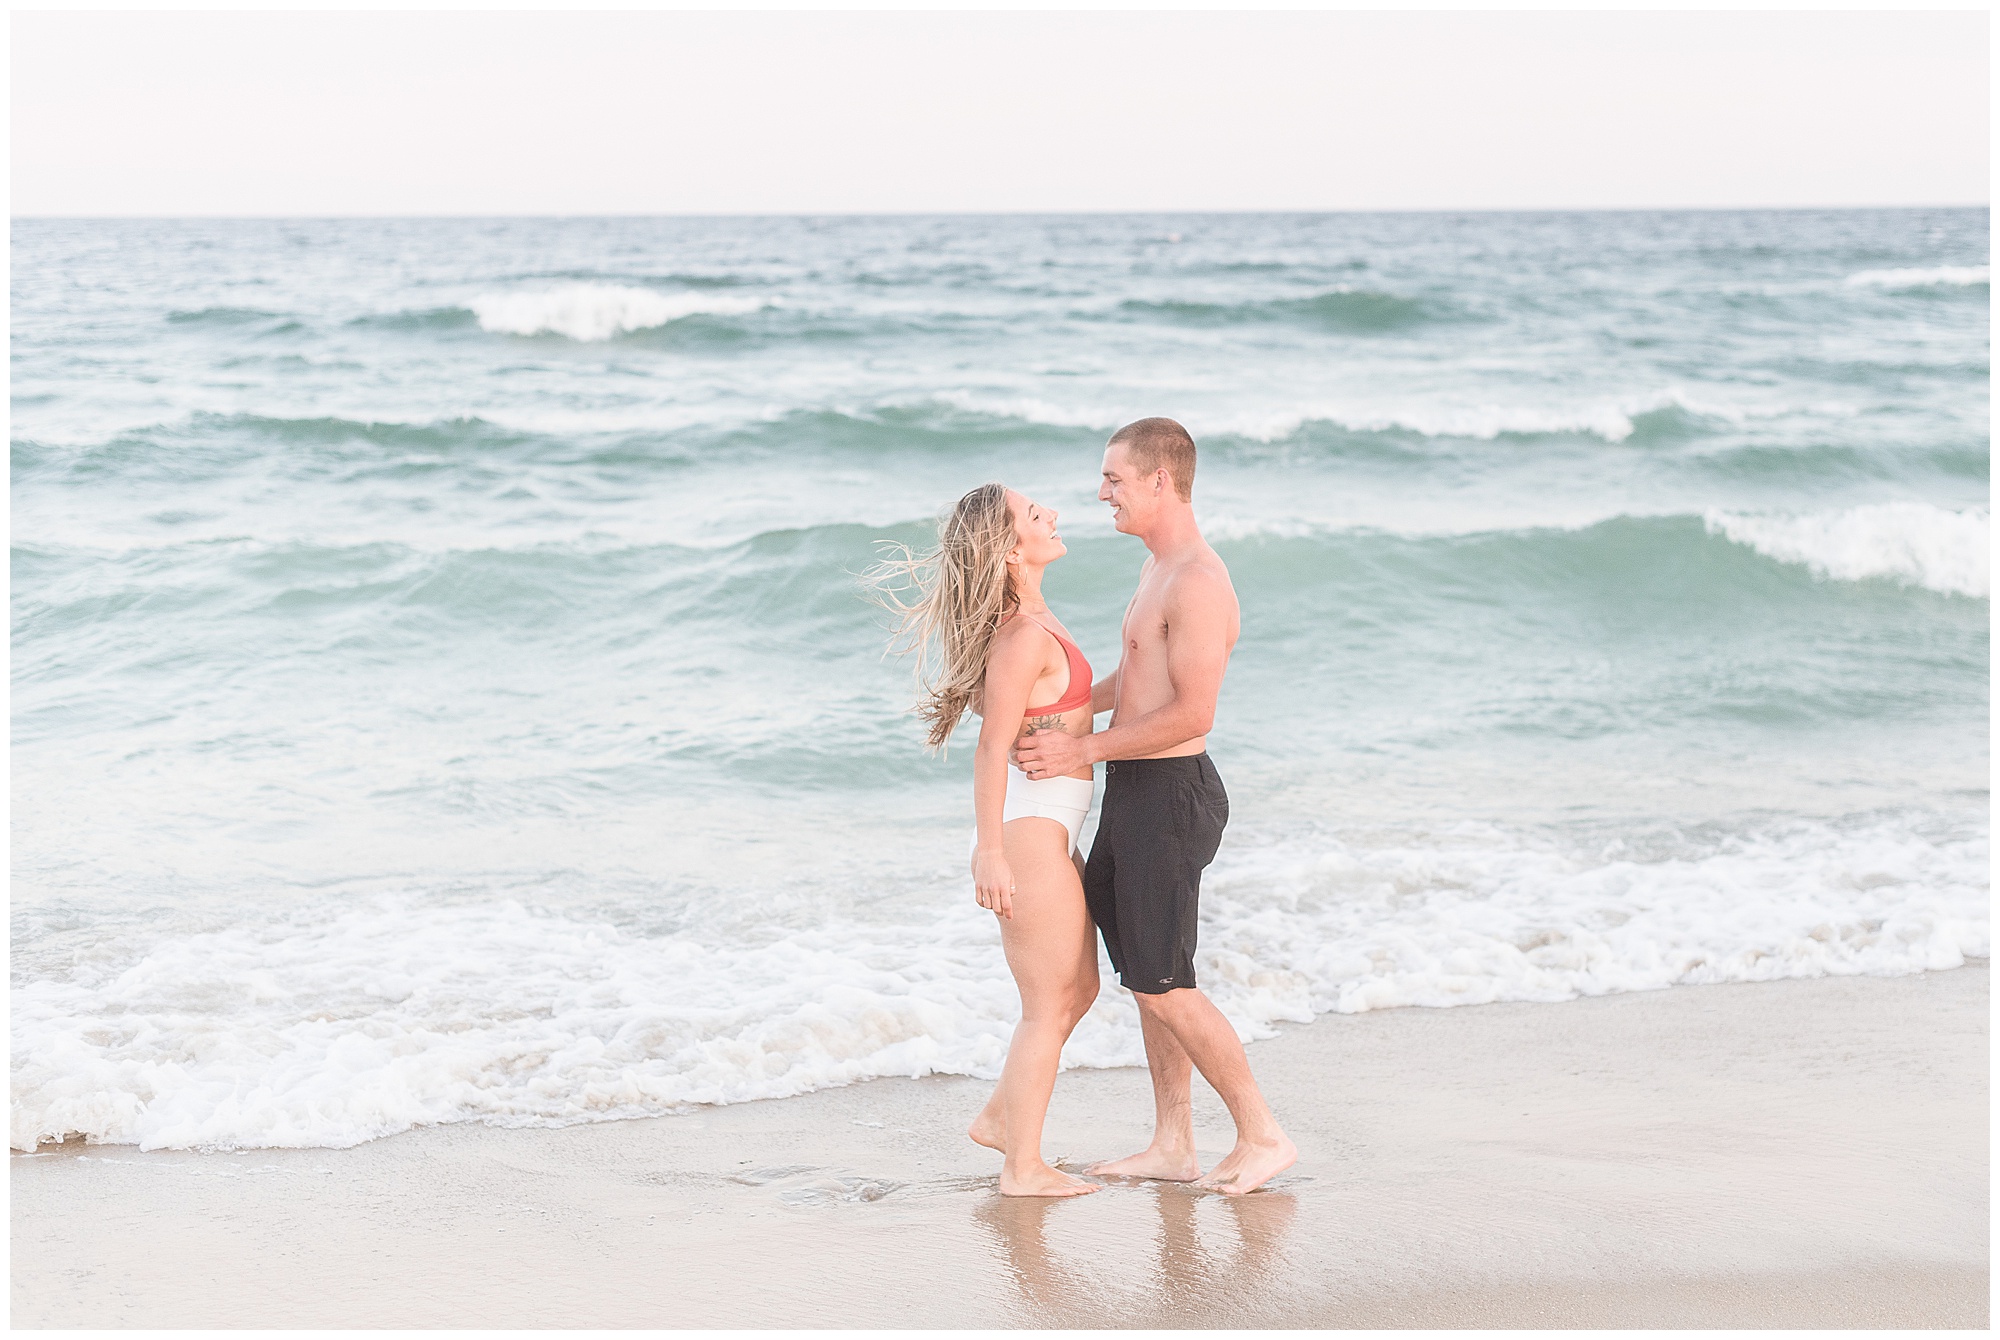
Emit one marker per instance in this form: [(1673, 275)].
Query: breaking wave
[(1936, 276), (589, 312), (1914, 543)]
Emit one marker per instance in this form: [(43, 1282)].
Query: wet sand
[(1793, 1154)]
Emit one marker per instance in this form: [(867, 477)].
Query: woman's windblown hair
[(962, 594)]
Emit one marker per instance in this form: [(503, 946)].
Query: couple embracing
[(988, 643)]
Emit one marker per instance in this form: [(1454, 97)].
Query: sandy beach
[(1791, 1154)]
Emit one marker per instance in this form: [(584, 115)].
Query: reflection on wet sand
[(1105, 1269)]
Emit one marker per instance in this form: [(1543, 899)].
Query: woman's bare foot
[(1044, 1181), (1249, 1166), (989, 1130), (1160, 1165)]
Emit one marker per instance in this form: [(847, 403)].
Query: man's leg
[(1170, 1157), (1203, 1036)]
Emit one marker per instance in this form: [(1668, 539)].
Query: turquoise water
[(441, 690)]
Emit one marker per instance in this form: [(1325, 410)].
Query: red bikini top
[(1079, 675)]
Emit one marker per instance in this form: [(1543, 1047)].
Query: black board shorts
[(1157, 830)]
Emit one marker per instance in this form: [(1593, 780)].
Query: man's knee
[(1165, 1004)]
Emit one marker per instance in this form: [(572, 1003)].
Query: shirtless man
[(1164, 809)]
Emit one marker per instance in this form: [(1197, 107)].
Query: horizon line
[(981, 214)]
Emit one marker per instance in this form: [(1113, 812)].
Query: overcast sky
[(619, 113)]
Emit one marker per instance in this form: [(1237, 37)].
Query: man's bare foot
[(989, 1130), (1044, 1181), (1249, 1166), (1157, 1164)]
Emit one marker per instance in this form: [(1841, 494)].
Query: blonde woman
[(986, 642)]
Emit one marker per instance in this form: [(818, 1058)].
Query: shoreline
[(1800, 1153)]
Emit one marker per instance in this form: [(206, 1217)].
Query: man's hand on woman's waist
[(1053, 754)]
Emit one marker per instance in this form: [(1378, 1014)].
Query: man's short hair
[(1152, 443)]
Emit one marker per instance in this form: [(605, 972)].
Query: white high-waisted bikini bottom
[(1064, 799)]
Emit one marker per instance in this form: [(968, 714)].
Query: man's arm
[(1198, 618), (1103, 698), (1104, 694)]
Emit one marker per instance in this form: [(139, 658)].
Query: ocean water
[(441, 691)]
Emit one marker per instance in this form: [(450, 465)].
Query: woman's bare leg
[(989, 1128), (1054, 961)]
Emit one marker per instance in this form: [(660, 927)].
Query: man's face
[(1128, 491)]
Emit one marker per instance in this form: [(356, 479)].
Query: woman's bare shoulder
[(1019, 643)]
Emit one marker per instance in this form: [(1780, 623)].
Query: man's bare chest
[(1145, 628)]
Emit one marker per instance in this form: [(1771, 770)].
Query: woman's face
[(1035, 538)]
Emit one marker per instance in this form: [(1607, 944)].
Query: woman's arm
[(1012, 668)]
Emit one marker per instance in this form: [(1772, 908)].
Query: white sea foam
[(388, 1016), (598, 311), (1612, 420), (1483, 915), (1936, 276), (1912, 542), (1608, 419), (1421, 520)]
